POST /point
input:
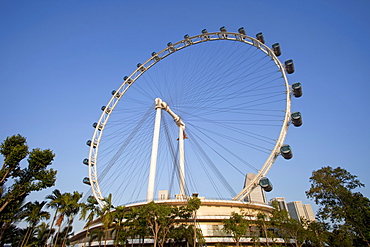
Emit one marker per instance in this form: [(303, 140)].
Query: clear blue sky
[(59, 61)]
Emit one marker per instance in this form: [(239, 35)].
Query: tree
[(318, 233), (16, 183), (55, 202), (42, 233), (89, 211), (96, 234), (14, 149), (297, 231), (237, 226), (193, 205), (279, 221), (161, 219), (8, 219), (332, 191), (69, 206), (33, 214), (73, 209), (263, 224), (107, 216), (34, 177), (119, 229), (136, 223)]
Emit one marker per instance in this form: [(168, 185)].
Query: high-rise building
[(298, 210), (257, 195), (281, 203)]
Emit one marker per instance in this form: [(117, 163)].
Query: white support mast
[(153, 159), (160, 105)]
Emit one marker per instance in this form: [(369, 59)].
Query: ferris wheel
[(196, 116)]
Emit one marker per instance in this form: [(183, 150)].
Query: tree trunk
[(51, 227), (25, 237), (56, 237), (65, 236)]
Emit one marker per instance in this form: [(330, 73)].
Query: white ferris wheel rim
[(172, 48)]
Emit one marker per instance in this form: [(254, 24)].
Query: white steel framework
[(155, 58)]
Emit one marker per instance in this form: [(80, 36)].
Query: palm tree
[(55, 202), (96, 234), (63, 237), (118, 231), (42, 234), (69, 207), (10, 217), (89, 210), (73, 209), (33, 215), (106, 216)]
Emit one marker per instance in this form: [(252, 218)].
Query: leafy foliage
[(17, 182), (237, 226), (332, 190)]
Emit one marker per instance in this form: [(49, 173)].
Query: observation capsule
[(296, 118), (128, 80), (242, 31), (105, 109), (92, 200), (276, 49), (223, 30), (86, 180), (141, 67), (297, 89), (289, 66), (286, 152), (154, 54), (260, 38), (95, 125), (204, 32), (265, 184), (115, 94), (86, 161), (188, 40), (170, 47), (89, 143)]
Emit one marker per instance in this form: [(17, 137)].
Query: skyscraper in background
[(298, 210), (281, 203), (257, 195)]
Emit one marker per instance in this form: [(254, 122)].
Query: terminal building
[(211, 214)]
